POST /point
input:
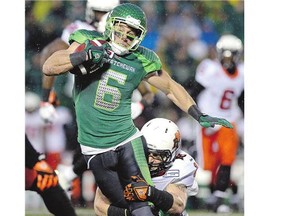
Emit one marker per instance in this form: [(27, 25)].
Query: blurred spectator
[(209, 34), (151, 39)]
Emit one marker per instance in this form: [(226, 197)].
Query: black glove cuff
[(77, 58), (117, 211), (195, 112), (45, 94), (161, 199)]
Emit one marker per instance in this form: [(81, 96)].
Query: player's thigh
[(133, 161), (104, 168)]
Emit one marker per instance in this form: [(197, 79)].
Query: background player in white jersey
[(49, 139), (219, 85), (172, 170)]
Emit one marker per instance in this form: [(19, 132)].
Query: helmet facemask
[(114, 27), (128, 15), (229, 58), (163, 142), (166, 158), (229, 50)]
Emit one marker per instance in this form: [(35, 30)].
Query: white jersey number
[(107, 96)]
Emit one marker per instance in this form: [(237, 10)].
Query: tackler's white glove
[(136, 109), (47, 112)]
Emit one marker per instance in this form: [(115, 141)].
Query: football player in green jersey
[(107, 68)]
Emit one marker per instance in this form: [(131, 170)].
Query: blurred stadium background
[(182, 33)]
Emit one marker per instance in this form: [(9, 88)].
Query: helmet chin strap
[(119, 50)]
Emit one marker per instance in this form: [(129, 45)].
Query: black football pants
[(113, 171)]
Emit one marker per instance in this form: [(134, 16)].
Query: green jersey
[(103, 99)]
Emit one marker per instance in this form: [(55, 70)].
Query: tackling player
[(172, 170), (108, 67), (219, 89)]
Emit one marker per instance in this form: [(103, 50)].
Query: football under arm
[(180, 196), (59, 62)]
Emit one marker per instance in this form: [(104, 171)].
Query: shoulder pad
[(150, 60), (80, 36), (187, 167)]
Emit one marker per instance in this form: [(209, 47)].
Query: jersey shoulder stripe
[(150, 60)]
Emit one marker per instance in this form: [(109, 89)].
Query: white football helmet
[(163, 139), (98, 5), (229, 46), (32, 101)]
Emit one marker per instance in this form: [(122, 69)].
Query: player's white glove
[(136, 109), (47, 112)]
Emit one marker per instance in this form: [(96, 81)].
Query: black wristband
[(45, 94), (117, 211), (161, 199), (77, 58), (195, 112)]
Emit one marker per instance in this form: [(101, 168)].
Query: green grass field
[(90, 212)]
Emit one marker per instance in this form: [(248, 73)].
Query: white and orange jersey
[(183, 171), (34, 128), (47, 138), (221, 89), (69, 29)]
